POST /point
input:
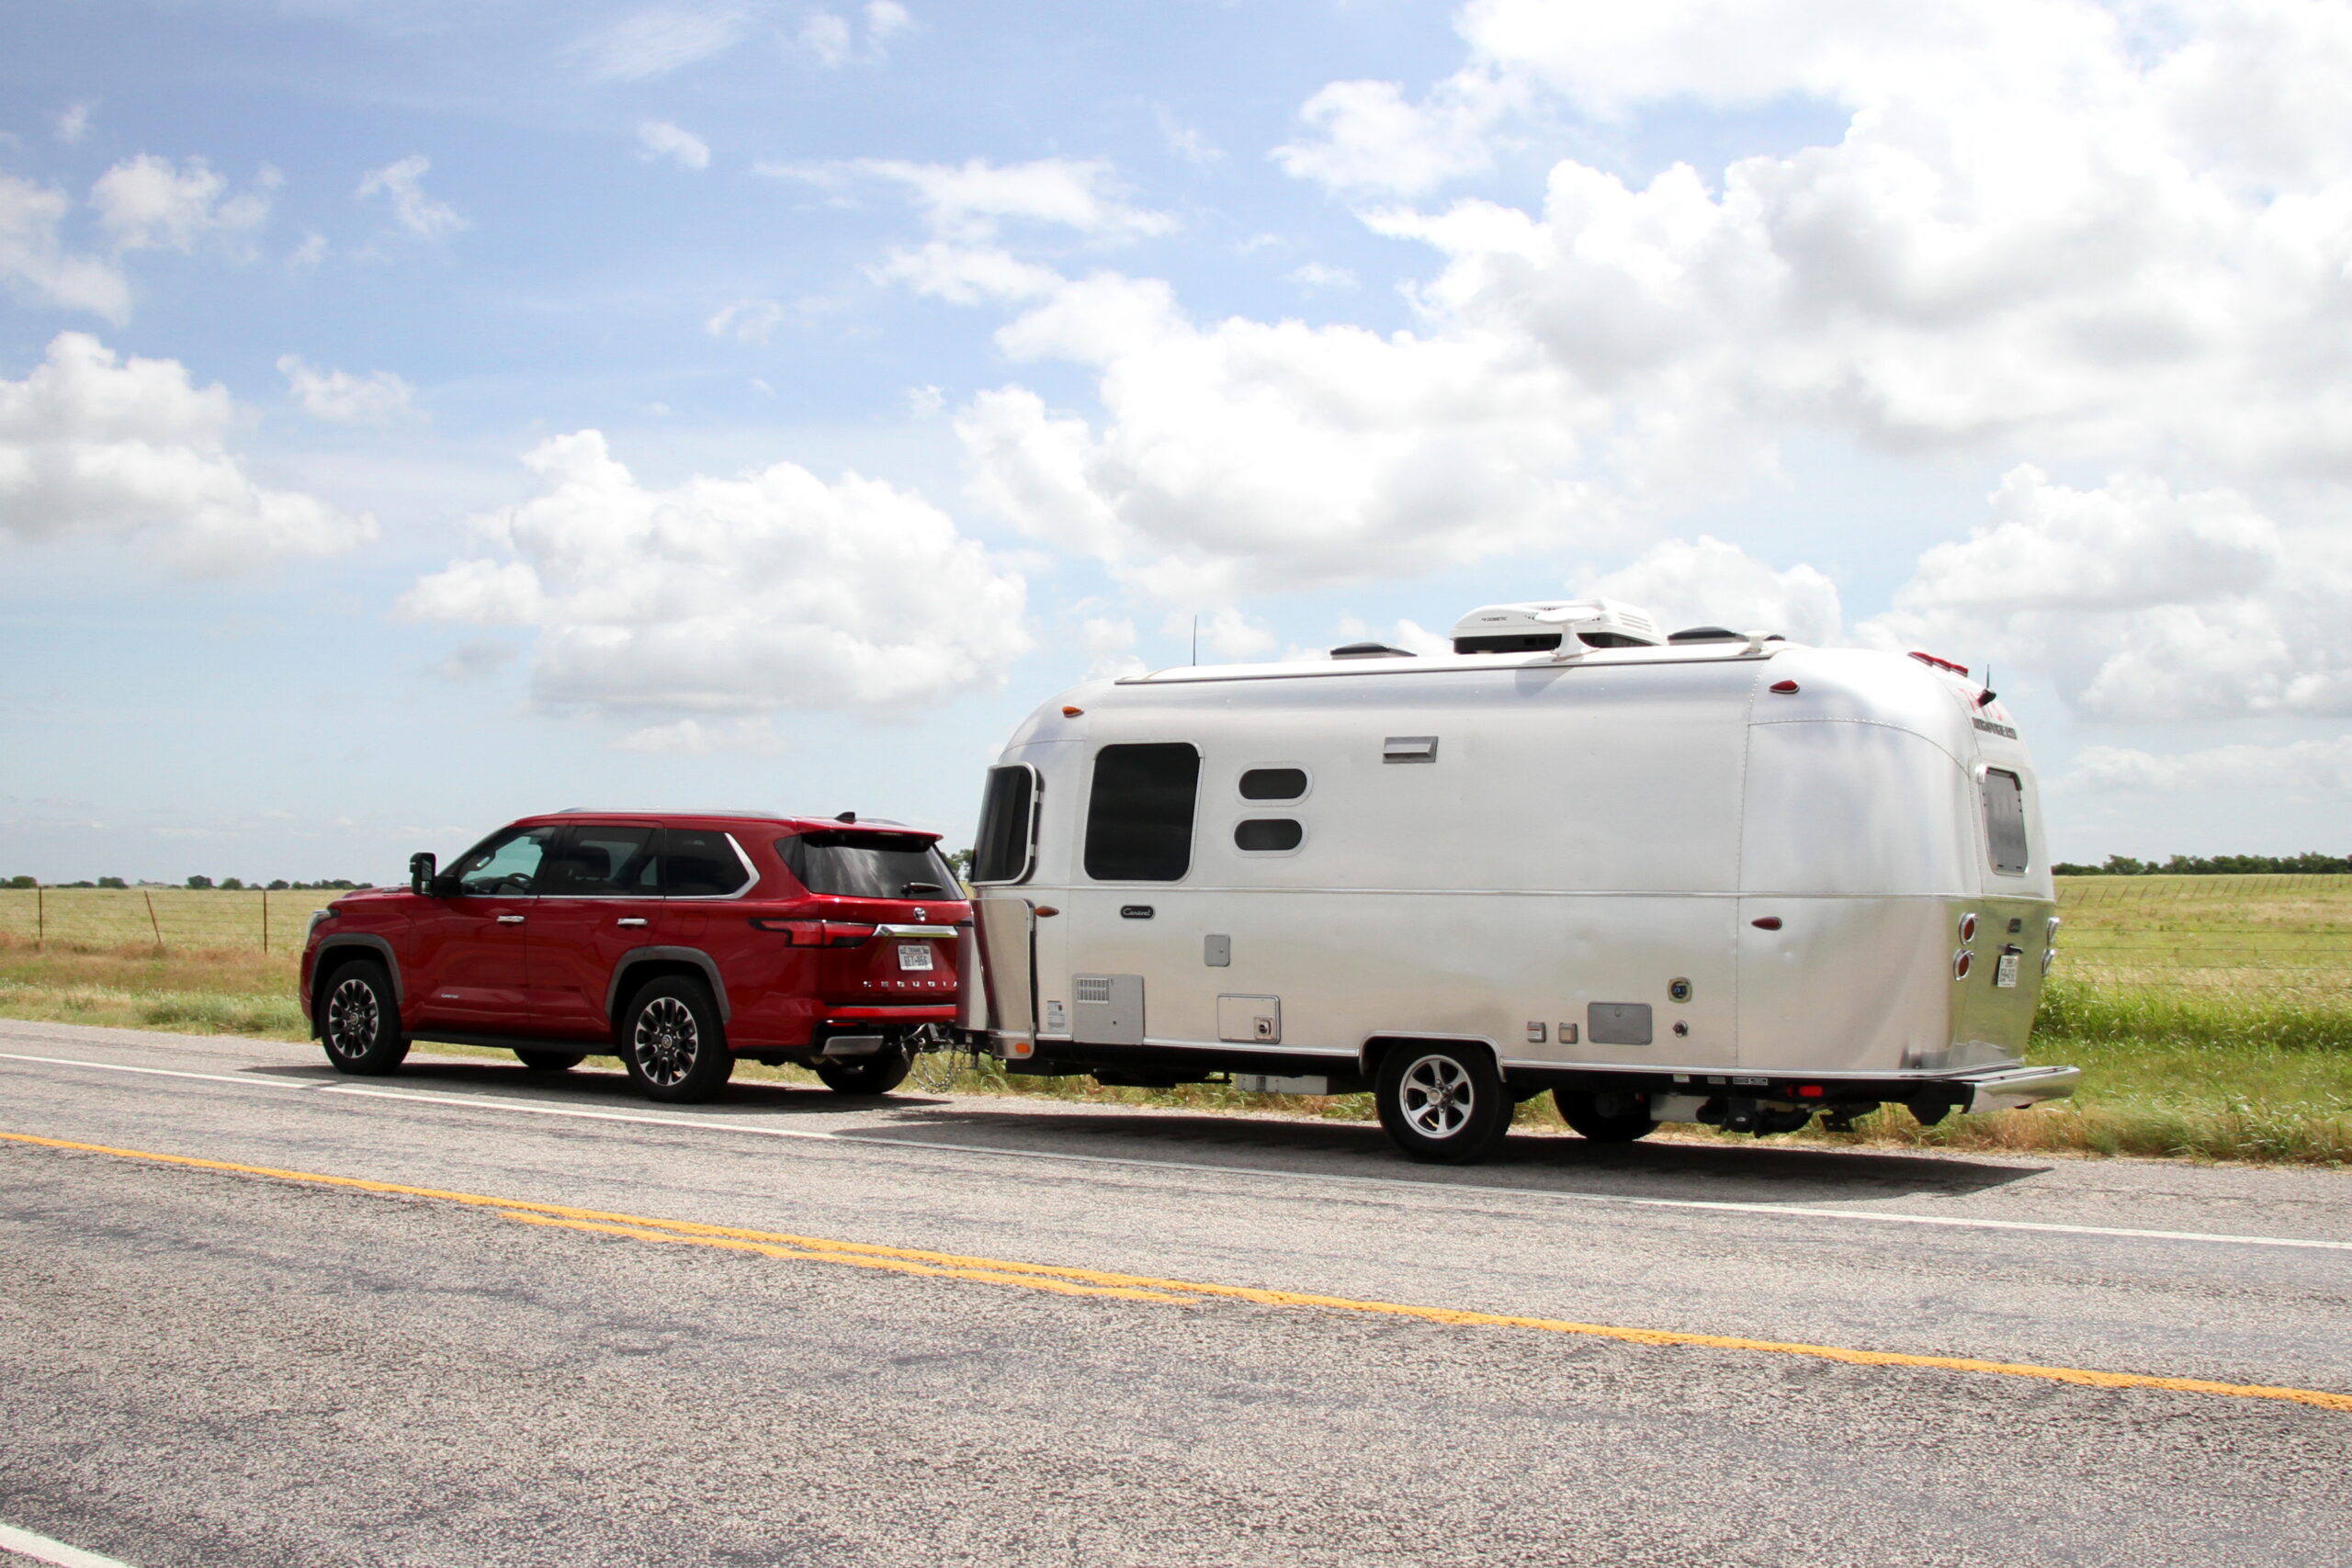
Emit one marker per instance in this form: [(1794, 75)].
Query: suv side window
[(602, 861), (505, 865), (700, 862)]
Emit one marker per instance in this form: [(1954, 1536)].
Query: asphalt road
[(539, 1322)]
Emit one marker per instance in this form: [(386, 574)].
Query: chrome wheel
[(1437, 1097), (354, 1021), (665, 1041)]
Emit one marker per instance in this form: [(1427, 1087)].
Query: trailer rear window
[(1002, 851), (1140, 816), (869, 865), (2004, 820)]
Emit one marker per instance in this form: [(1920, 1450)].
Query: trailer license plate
[(2005, 973), (917, 956)]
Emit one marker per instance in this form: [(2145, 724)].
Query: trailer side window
[(1273, 784), (1268, 835), (1001, 851), (2004, 820), (1139, 818)]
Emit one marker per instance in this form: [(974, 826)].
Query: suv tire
[(878, 1073), (550, 1061), (672, 1041), (1442, 1103), (1611, 1117), (359, 1021)]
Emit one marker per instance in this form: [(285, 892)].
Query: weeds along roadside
[(2167, 1073)]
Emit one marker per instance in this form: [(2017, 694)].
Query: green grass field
[(2211, 1015)]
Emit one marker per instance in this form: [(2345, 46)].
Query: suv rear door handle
[(629, 920), (510, 919)]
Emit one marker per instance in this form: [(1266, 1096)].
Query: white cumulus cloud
[(2316, 766), (2138, 602), (1687, 582), (659, 40), (151, 203), (341, 398), (37, 264), (93, 446), (660, 139), (402, 185), (732, 595)]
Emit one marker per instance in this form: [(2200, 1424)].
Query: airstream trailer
[(1716, 877)]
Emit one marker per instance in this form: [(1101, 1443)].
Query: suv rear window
[(869, 865)]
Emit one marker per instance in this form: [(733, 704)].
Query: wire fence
[(200, 919)]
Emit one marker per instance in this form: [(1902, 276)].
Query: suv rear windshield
[(869, 865)]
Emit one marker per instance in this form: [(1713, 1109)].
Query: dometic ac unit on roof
[(1542, 625)]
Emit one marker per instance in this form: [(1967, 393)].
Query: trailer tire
[(1442, 1103), (878, 1073), (1605, 1118), (550, 1061), (672, 1041), (359, 1019)]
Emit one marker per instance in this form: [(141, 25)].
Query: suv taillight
[(816, 934)]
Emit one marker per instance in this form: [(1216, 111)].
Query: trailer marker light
[(1768, 924), (1068, 712), (1786, 688)]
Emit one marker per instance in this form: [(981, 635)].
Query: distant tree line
[(226, 885), (2309, 864)]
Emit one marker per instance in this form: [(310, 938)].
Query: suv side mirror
[(421, 868)]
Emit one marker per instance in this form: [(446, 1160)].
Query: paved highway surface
[(536, 1321)]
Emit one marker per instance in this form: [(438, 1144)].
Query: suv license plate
[(917, 956), (2005, 973)]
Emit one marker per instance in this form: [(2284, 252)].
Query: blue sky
[(416, 414)]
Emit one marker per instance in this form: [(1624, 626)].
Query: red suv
[(676, 941)]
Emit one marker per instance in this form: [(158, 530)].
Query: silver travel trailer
[(1716, 877)]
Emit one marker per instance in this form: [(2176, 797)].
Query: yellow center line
[(1066, 1281)]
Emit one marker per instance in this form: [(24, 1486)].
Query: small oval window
[(1267, 834), (1273, 784)]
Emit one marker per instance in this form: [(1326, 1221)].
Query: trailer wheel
[(1605, 1118), (359, 1023), (878, 1073), (1444, 1104), (672, 1041)]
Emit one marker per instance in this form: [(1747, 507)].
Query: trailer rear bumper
[(2015, 1088)]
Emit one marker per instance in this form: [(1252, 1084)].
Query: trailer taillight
[(1962, 962), (1968, 928)]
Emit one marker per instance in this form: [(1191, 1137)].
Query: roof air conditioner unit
[(1546, 626)]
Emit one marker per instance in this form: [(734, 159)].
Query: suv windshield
[(869, 865)]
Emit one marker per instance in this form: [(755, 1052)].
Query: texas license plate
[(917, 956), (2005, 973)]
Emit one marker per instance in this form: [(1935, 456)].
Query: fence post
[(40, 916), (151, 924), (264, 919)]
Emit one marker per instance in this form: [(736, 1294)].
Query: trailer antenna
[(1196, 636)]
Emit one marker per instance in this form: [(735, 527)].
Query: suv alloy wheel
[(672, 1043), (359, 1021)]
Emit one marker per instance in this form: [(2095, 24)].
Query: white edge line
[(1720, 1206), (165, 1072), (40, 1549)]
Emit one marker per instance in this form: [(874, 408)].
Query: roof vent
[(1708, 634), (1369, 650), (1542, 626)]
